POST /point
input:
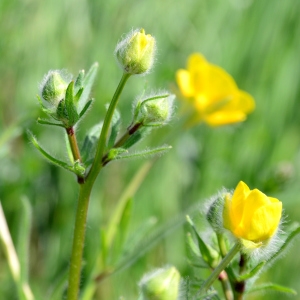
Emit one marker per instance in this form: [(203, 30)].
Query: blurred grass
[(255, 41)]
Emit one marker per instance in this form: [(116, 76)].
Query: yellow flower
[(251, 215), (213, 93)]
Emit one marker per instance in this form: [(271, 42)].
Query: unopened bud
[(136, 52), (154, 111), (54, 87), (162, 284)]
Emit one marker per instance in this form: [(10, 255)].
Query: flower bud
[(162, 284), (251, 216), (136, 52), (154, 111), (54, 87)]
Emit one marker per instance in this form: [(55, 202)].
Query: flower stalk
[(223, 264), (84, 197)]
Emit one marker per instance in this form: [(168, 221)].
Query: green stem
[(226, 286), (73, 144), (223, 264), (84, 197), (97, 163)]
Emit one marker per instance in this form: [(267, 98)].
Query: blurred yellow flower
[(251, 215), (213, 93)]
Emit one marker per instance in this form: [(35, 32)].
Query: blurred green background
[(257, 42)]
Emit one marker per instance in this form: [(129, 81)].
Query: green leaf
[(194, 253), (210, 255), (49, 157), (136, 137), (89, 144), (77, 96), (115, 128), (271, 287), (121, 234), (252, 273), (79, 81), (85, 109), (46, 122), (87, 84), (145, 153), (59, 286)]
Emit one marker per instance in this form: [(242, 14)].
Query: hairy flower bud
[(154, 111), (54, 87), (136, 52), (162, 284), (251, 215)]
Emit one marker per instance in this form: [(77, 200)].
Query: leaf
[(144, 153), (89, 145), (87, 84), (77, 96), (46, 122), (194, 253), (121, 234), (115, 127), (49, 157), (85, 109), (59, 286), (271, 287), (79, 81), (210, 255), (252, 273), (136, 137)]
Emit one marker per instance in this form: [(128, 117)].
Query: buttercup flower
[(251, 215), (213, 93)]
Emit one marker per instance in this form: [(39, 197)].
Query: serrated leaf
[(49, 157), (271, 287), (87, 84), (115, 128), (252, 273)]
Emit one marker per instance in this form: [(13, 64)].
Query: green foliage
[(241, 36)]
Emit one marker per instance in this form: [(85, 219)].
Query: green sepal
[(87, 84), (136, 137), (45, 109), (85, 109), (89, 144), (49, 157), (114, 153), (46, 122), (115, 128), (252, 273), (141, 154), (72, 115), (209, 255), (271, 287)]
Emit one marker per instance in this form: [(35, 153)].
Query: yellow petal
[(183, 79), (223, 118)]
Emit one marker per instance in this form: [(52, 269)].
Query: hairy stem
[(223, 264), (84, 197)]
